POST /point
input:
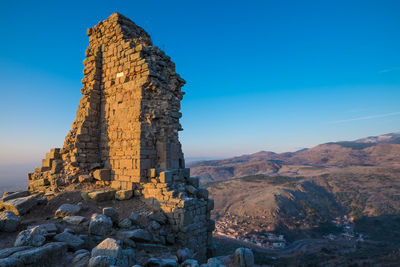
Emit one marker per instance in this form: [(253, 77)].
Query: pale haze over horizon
[(261, 75)]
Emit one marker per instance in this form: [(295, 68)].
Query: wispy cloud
[(388, 70), (366, 117)]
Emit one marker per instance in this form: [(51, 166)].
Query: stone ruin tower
[(125, 135)]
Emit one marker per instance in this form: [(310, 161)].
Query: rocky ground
[(75, 228)]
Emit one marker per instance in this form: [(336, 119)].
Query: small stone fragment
[(125, 223), (67, 210), (74, 219)]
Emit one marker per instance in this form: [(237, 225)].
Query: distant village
[(234, 227), (230, 226), (346, 223)]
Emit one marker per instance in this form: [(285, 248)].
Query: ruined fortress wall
[(127, 127)]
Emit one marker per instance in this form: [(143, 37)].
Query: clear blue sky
[(261, 75)]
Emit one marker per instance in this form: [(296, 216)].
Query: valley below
[(334, 204)]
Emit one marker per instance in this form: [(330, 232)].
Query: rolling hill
[(377, 151)]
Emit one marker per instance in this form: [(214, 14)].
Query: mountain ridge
[(378, 151)]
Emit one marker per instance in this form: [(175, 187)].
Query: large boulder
[(20, 205), (67, 210), (100, 225), (74, 242), (244, 257), (42, 256), (9, 222), (32, 237)]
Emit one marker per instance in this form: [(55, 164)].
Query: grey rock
[(112, 213), (67, 210), (47, 229), (11, 262), (19, 206), (169, 263), (244, 257), (100, 224), (42, 255), (9, 222), (81, 259), (183, 254), (79, 251), (129, 242), (99, 261), (109, 247), (134, 217), (73, 241), (128, 257), (6, 252), (155, 225), (75, 220), (194, 181), (191, 189), (125, 223), (213, 262), (190, 263), (13, 195), (158, 217), (33, 237), (138, 235), (42, 201), (202, 193), (153, 262)]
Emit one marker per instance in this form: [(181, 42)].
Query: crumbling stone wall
[(126, 131)]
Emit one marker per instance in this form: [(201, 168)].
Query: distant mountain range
[(378, 151)]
